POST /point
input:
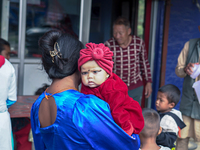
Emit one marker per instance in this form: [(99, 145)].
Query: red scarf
[(2, 60)]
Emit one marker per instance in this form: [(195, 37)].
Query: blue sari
[(83, 122)]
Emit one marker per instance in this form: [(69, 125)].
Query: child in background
[(5, 52), (171, 119), (8, 94), (40, 90), (20, 126), (151, 130), (95, 64)]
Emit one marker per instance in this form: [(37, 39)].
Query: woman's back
[(62, 129), (82, 122)]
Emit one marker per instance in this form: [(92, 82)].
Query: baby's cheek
[(84, 80)]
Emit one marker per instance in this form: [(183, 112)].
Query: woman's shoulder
[(90, 104), (77, 102), (92, 101)]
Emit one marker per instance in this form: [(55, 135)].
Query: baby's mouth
[(90, 82)]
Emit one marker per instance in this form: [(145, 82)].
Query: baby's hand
[(131, 130)]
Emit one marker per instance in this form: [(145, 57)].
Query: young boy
[(95, 64), (171, 119), (151, 130)]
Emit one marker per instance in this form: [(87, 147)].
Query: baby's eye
[(96, 71), (84, 73)]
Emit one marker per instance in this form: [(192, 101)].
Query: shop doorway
[(103, 13)]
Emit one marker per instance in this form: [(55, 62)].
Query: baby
[(95, 64)]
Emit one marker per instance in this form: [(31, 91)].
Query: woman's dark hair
[(65, 63), (2, 44)]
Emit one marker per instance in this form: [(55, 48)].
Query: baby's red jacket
[(126, 112)]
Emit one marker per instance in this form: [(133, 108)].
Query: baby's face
[(92, 75)]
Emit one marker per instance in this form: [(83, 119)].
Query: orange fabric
[(48, 96), (131, 130), (179, 132)]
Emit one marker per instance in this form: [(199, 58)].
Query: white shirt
[(168, 124), (7, 85), (161, 148)]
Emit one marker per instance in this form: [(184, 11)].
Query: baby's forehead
[(90, 68), (90, 65)]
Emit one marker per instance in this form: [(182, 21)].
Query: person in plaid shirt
[(130, 59)]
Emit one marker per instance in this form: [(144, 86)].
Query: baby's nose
[(90, 75)]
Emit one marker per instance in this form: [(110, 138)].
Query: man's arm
[(182, 69), (148, 89), (146, 71), (188, 69), (181, 64)]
